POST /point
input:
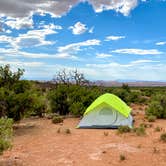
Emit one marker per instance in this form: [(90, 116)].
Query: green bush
[(77, 108), (124, 129), (140, 131), (163, 137), (6, 133), (158, 129), (57, 119), (151, 118), (157, 106), (74, 99), (18, 98)]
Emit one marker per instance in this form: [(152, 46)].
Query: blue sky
[(104, 39)]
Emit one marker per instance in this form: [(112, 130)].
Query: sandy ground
[(37, 143)]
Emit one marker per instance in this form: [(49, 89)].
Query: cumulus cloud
[(32, 38), (18, 23), (36, 38), (108, 38), (57, 8), (78, 28), (122, 6), (138, 51), (24, 8)]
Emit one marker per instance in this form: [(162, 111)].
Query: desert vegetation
[(68, 93)]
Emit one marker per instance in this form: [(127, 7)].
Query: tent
[(107, 111)]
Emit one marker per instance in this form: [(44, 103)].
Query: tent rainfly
[(107, 111)]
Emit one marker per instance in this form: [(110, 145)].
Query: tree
[(18, 97), (126, 87), (78, 78), (59, 99), (7, 77), (70, 77), (62, 77)]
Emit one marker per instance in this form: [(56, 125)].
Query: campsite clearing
[(39, 142)]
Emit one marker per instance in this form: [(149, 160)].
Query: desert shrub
[(106, 133), (157, 106), (59, 130), (6, 133), (77, 108), (123, 94), (151, 118), (74, 99), (122, 157), (140, 131), (59, 101), (163, 137), (157, 129), (155, 150), (67, 131), (124, 129), (18, 97), (57, 119), (21, 86)]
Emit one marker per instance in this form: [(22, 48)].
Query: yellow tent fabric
[(112, 101)]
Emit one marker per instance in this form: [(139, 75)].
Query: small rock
[(104, 152)]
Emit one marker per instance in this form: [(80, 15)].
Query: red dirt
[(41, 145)]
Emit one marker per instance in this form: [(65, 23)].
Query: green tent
[(107, 111)]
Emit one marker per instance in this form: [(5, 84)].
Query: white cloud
[(51, 26), (91, 30), (122, 6), (78, 28), (138, 51), (108, 38), (17, 63), (144, 61), (18, 23), (57, 8), (17, 53), (8, 31), (108, 65), (134, 70), (32, 38), (130, 64), (5, 39), (76, 46), (161, 43), (71, 50), (103, 55), (24, 8)]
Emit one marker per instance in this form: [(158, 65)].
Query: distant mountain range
[(130, 83)]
